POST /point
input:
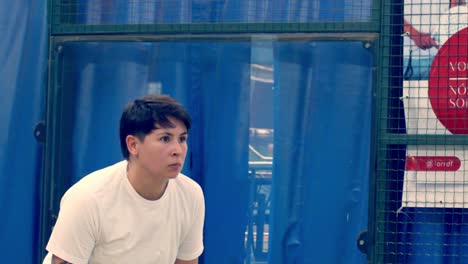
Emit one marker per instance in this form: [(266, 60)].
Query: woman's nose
[(177, 149)]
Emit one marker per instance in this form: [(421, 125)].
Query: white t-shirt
[(102, 219)]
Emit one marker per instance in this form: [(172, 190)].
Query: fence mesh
[(140, 16), (422, 149)]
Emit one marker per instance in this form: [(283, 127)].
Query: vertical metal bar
[(381, 230), (249, 243), (46, 181), (56, 160)]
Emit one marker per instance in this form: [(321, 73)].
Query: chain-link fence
[(420, 205)]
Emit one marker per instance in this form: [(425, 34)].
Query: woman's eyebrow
[(171, 134)]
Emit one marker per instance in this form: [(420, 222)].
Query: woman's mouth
[(175, 166)]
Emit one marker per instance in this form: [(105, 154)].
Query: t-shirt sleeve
[(76, 230), (192, 246)]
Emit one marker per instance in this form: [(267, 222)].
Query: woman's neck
[(146, 185)]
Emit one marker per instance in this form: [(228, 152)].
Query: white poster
[(435, 97)]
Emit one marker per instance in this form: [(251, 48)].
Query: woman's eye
[(165, 139), (182, 139)]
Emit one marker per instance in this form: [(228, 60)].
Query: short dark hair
[(144, 114)]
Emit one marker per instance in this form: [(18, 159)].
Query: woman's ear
[(132, 145)]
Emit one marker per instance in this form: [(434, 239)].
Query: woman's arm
[(422, 40)]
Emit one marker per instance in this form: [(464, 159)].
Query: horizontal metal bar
[(214, 28), (396, 139), (369, 37)]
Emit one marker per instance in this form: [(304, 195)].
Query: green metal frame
[(60, 24), (219, 28), (377, 221), (57, 148)]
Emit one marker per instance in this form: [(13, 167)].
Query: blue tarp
[(322, 115), (23, 53), (322, 144)]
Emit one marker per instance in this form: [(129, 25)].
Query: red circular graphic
[(448, 83)]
